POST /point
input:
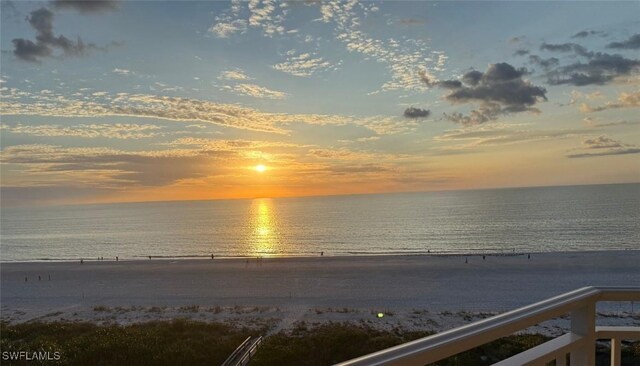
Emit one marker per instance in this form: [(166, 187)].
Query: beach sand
[(416, 292)]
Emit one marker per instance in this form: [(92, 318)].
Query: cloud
[(413, 112), (124, 72), (266, 15), (87, 6), (521, 52), (225, 29), (304, 64), (495, 134), (601, 142), (587, 33), (625, 100), (604, 146), (566, 47), (227, 145), (405, 58), (472, 77), (499, 90), (101, 104), (111, 131), (41, 20), (450, 84), (236, 74), (341, 154), (633, 43), (256, 91), (600, 69), (109, 168), (545, 63), (589, 122), (27, 50)]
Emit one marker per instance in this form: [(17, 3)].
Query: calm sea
[(571, 218)]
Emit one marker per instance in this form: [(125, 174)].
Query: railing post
[(583, 324), (616, 354), (562, 360)]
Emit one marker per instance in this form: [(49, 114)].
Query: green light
[(380, 315)]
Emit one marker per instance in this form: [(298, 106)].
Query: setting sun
[(260, 168)]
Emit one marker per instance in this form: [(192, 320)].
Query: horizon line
[(316, 195)]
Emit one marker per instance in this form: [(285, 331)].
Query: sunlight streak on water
[(264, 239)]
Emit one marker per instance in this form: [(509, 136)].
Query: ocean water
[(569, 218)]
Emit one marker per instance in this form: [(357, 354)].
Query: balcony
[(576, 348)]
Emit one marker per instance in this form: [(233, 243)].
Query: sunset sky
[(108, 101)]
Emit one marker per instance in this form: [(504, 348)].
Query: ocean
[(520, 220)]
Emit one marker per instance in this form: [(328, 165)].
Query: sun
[(260, 168)]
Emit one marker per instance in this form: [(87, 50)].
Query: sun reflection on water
[(264, 238)]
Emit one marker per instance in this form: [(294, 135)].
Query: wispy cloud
[(100, 104), (625, 100), (496, 134), (304, 64), (235, 74), (106, 167), (224, 28), (111, 131), (604, 146), (124, 72), (256, 91)]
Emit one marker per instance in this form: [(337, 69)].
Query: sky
[(112, 101)]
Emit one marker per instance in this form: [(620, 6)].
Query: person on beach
[(149, 257), (81, 261), (466, 260), (212, 256), (116, 258), (528, 256), (483, 257), (321, 254)]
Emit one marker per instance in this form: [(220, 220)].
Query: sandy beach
[(423, 292)]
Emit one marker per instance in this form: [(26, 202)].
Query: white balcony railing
[(578, 345)]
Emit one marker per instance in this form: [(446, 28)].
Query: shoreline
[(478, 253)]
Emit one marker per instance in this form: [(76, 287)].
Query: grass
[(185, 342), (155, 343)]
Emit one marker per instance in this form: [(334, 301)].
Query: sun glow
[(260, 168)]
